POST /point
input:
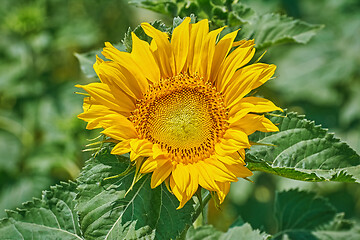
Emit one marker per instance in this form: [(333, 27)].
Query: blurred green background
[(41, 139)]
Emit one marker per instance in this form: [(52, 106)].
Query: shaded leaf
[(106, 213), (303, 151), (295, 210), (209, 232), (270, 29), (51, 217)]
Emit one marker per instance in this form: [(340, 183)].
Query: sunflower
[(180, 107)]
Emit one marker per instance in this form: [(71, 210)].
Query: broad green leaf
[(339, 229), (303, 151), (51, 217), (299, 213), (239, 232), (167, 7), (270, 29), (107, 212), (352, 234)]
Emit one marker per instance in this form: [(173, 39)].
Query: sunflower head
[(180, 106)]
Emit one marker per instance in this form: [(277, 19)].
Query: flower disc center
[(184, 115)]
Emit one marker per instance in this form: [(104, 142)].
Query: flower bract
[(181, 106)]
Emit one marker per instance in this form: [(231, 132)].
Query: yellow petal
[(150, 164), (160, 174), (224, 188), (143, 57), (118, 127), (140, 147), (180, 44), (239, 136), (198, 33), (206, 180), (222, 48), (181, 176), (236, 59), (162, 50), (207, 55), (252, 122), (121, 148), (218, 170), (128, 66), (255, 105), (102, 93), (245, 80), (112, 73), (239, 170)]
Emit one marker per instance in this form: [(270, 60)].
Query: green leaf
[(270, 29), (209, 232), (106, 212), (167, 7), (295, 210), (51, 217), (352, 234), (339, 229), (303, 151)]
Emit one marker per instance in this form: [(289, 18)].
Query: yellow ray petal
[(129, 68), (102, 93), (218, 170), (224, 188), (239, 136), (150, 164), (181, 176), (143, 57), (180, 44), (198, 33), (249, 77), (118, 127), (140, 147), (255, 104), (206, 180), (162, 49), (160, 174), (252, 122), (239, 170), (236, 59), (222, 48), (121, 148), (207, 55), (112, 73)]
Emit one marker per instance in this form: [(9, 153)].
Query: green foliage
[(51, 217), (266, 29), (211, 233), (303, 151), (107, 212), (40, 137), (298, 213), (43, 137)]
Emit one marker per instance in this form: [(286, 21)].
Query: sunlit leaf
[(107, 213), (51, 217), (303, 151)]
